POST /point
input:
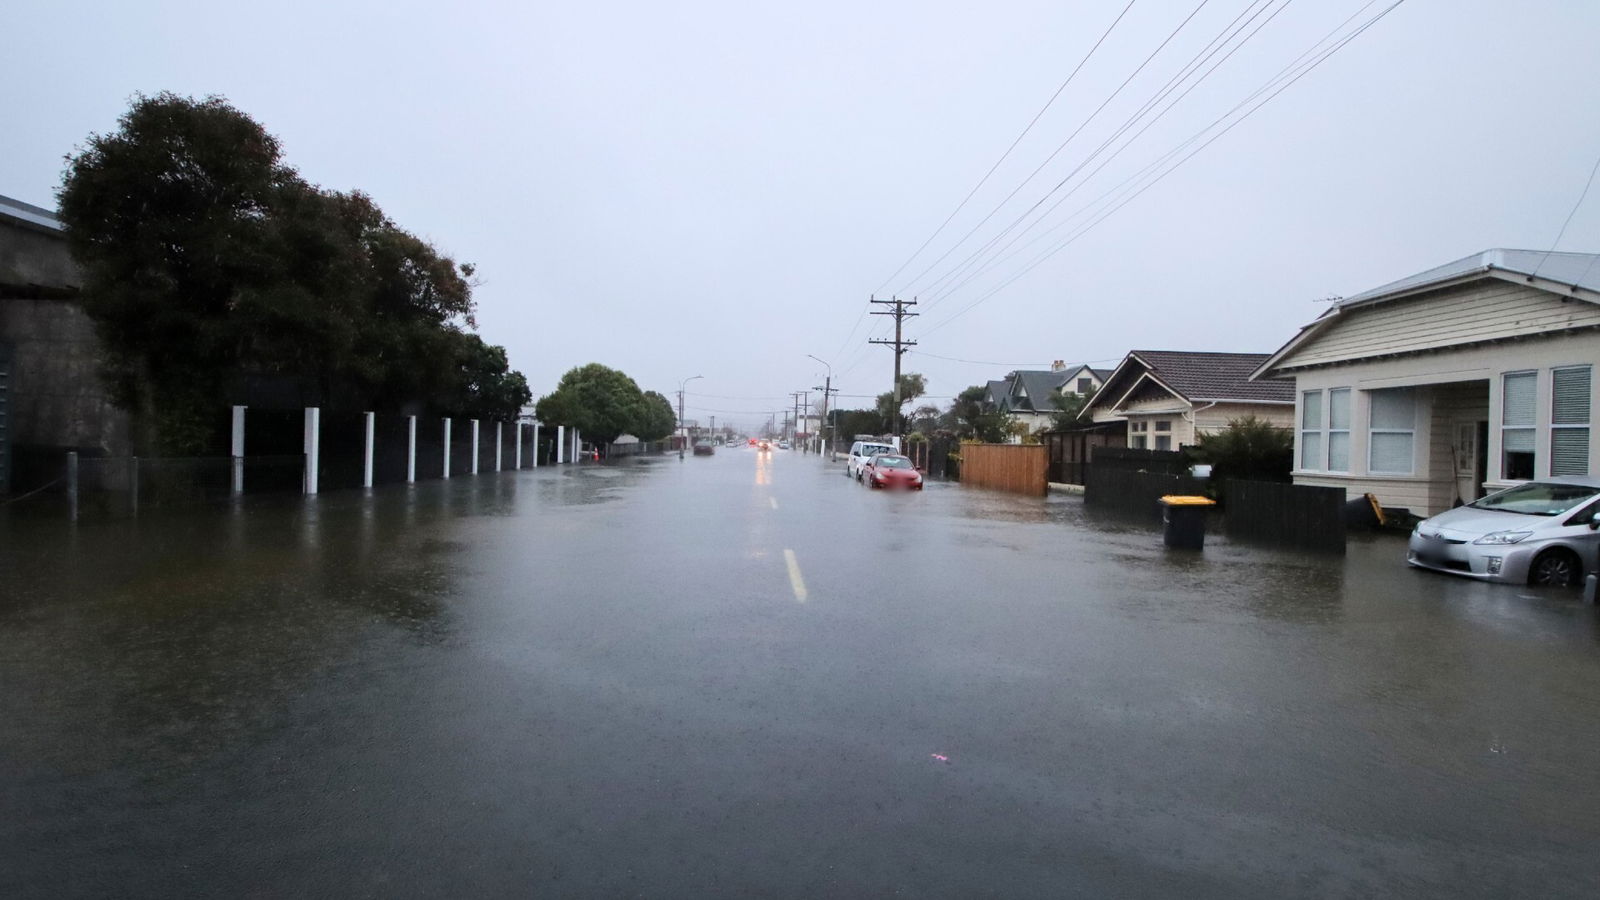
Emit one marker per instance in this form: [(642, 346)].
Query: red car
[(887, 470)]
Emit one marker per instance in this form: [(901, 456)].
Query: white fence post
[(516, 455), (411, 449), (313, 447), (474, 469), (561, 444), (499, 443), (238, 449), (536, 445), (447, 447), (366, 467)]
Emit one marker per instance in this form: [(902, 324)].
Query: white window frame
[(1569, 426), (1349, 414), (1532, 428), (1318, 428), (1373, 431)]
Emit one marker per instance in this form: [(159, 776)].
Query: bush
[(1249, 448)]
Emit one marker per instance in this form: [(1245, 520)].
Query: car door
[(1577, 531)]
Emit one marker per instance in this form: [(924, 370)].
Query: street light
[(827, 388), (680, 413)]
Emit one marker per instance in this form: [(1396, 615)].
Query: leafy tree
[(850, 422), (207, 258), (1249, 448), (1067, 406), (600, 402), (971, 418), (912, 386), (658, 419)]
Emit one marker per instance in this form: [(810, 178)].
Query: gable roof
[(1038, 386), (1192, 376), (1576, 275)]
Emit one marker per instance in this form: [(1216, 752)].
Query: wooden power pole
[(899, 309)]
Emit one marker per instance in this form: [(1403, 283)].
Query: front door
[(1470, 453)]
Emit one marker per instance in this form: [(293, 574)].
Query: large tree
[(658, 419), (912, 386), (599, 401), (207, 259), (971, 418)]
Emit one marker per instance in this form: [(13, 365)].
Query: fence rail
[(1018, 468)]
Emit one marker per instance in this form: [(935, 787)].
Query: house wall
[(1492, 309), (1454, 386)]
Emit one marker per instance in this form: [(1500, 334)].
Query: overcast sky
[(715, 189)]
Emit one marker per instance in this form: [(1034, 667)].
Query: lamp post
[(685, 431), (827, 387)]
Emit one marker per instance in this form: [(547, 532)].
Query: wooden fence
[(1298, 515), (1018, 468), (1133, 491)]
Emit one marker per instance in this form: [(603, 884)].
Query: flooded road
[(746, 675)]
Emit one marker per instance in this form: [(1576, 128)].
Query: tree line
[(207, 261)]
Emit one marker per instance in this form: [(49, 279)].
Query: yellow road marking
[(795, 581)]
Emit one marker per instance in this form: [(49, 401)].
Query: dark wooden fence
[(1018, 468), (1069, 450), (1297, 515), (1131, 481)]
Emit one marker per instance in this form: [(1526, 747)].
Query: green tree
[(971, 418), (912, 386), (1249, 448), (207, 259), (1067, 406), (658, 419), (599, 401)]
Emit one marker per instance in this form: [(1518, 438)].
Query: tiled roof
[(1039, 385), (1215, 376)]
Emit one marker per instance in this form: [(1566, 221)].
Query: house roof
[(1214, 376), (27, 213), (995, 391), (1578, 273), (1580, 270), (1039, 385)]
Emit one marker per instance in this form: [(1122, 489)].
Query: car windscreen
[(1538, 498), (892, 462), (874, 449)]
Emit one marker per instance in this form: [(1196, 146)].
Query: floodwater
[(744, 675)]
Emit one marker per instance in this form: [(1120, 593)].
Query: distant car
[(764, 446), (1542, 532), (860, 452), (783, 445), (753, 442), (704, 448), (891, 470)]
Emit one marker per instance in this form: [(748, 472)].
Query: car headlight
[(1503, 537)]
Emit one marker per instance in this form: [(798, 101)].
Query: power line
[(1562, 233), (1062, 146), (1317, 61), (1212, 47), (1006, 155)]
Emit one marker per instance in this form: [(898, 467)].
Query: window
[(1139, 442), (1518, 414), (1569, 421), (1163, 424), (1085, 385), (1339, 430), (1163, 442), (1392, 432), (1311, 430)]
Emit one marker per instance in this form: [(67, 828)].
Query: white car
[(860, 452), (1541, 532)]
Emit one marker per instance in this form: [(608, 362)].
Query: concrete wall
[(56, 398), (34, 257)]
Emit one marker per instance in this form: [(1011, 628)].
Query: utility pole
[(827, 391), (901, 345), (794, 431)]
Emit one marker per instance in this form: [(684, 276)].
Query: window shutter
[(1519, 400), (1569, 451), (1571, 396)]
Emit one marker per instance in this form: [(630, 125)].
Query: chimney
[(1058, 366)]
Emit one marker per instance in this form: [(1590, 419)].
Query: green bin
[(1183, 520)]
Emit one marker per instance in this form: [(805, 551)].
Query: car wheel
[(1556, 568)]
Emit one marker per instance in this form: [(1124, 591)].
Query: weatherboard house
[(1439, 387), (1170, 398)]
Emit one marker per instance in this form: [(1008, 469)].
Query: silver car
[(1541, 532)]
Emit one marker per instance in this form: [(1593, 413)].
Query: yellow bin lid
[(1187, 500)]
